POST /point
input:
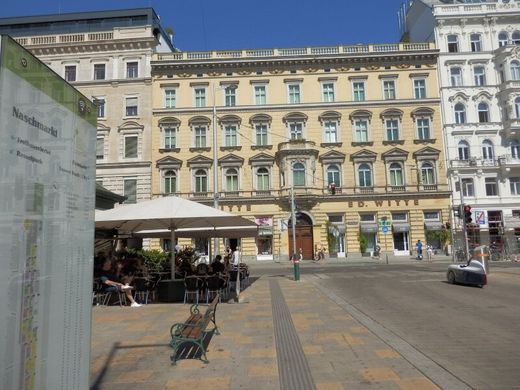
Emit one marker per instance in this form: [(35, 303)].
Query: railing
[(65, 38), (469, 8), (318, 192), (297, 52)]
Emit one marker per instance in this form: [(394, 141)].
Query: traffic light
[(467, 214)]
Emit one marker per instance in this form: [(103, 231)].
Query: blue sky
[(242, 24)]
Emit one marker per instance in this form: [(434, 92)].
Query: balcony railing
[(298, 52), (317, 192)]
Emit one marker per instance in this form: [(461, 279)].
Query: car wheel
[(451, 277)]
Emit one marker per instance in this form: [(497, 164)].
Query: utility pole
[(295, 257), (461, 216)]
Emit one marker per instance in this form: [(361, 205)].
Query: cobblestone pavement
[(282, 335)]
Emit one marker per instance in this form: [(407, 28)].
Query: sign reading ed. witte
[(47, 200)]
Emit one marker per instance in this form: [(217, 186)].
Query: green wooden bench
[(193, 329)]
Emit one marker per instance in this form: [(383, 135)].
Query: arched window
[(483, 112), (487, 150), (476, 42), (453, 43), (231, 179), (456, 76), (515, 38), (463, 149), (515, 70), (262, 179), (170, 182), (427, 173), (333, 175), (201, 181), (517, 107), (460, 113), (365, 175), (502, 39), (298, 174), (515, 149), (396, 174)]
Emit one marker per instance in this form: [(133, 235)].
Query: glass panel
[(131, 147)]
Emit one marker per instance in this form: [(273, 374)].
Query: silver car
[(472, 273)]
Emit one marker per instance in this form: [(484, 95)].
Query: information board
[(47, 201)]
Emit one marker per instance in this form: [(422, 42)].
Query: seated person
[(111, 284), (217, 265)]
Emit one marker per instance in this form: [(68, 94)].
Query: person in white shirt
[(236, 257)]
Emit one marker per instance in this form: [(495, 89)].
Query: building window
[(170, 98), (331, 131), (298, 175), (388, 89), (515, 38), (463, 149), (467, 188), (359, 91), (361, 130), (517, 107), (514, 184), (101, 105), (515, 149), (456, 76), (170, 138), (453, 43), (483, 112), (515, 70), (396, 174), (231, 179), (230, 96), (491, 186), (131, 142), (392, 129), (365, 175), (294, 93), (431, 216), (419, 88), (423, 128), (296, 130), (131, 106), (70, 73), (132, 70), (260, 94), (327, 92), (333, 175), (476, 42), (427, 174), (262, 179), (200, 97), (487, 150), (200, 136), (502, 39), (170, 182), (100, 148), (460, 113), (230, 135), (201, 180), (261, 134), (479, 72), (130, 190), (99, 71)]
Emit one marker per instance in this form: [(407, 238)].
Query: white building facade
[(106, 55), (479, 77)]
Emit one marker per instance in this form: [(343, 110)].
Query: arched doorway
[(304, 236)]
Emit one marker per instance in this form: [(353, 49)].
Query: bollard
[(296, 264)]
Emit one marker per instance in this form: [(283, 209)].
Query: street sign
[(480, 218), (384, 229)]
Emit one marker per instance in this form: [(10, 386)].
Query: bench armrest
[(177, 328)]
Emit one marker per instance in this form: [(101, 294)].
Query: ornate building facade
[(106, 55), (353, 132), (479, 76)]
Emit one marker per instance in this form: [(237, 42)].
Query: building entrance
[(304, 236)]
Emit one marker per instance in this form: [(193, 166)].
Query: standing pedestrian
[(429, 251), (418, 248)]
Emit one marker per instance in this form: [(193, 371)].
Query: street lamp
[(215, 155)]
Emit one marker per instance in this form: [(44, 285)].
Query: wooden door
[(304, 240)]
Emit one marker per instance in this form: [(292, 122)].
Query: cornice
[(94, 47)]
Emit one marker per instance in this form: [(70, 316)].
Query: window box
[(169, 150), (367, 143), (199, 150), (425, 141)]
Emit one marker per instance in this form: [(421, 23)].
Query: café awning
[(401, 227), (368, 227), (433, 225)]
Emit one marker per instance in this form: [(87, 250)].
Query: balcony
[(396, 189), (512, 127)]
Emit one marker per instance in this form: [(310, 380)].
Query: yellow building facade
[(352, 133)]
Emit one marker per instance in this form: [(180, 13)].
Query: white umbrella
[(227, 231), (171, 213)]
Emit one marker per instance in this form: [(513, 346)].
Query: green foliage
[(187, 254), (443, 236), (331, 238), (363, 242)]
